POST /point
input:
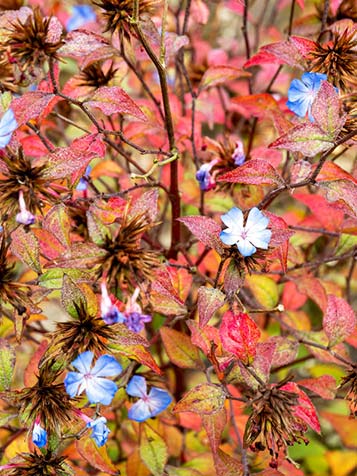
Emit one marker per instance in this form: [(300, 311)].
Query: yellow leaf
[(342, 463), (264, 289)]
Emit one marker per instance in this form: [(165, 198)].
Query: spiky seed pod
[(272, 424), (8, 81), (119, 13), (31, 43), (94, 76), (349, 382), (38, 464), (337, 59), (46, 400), (349, 102)]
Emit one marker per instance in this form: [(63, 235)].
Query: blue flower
[(100, 430), (150, 404), (98, 389), (8, 124), (110, 312), (203, 176), (39, 435), (238, 155), (302, 93), (81, 15), (135, 321), (83, 183), (248, 237)]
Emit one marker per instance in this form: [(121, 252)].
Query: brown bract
[(349, 382), (37, 464), (95, 76)]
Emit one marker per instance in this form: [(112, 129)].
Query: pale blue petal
[(81, 15), (158, 401), (229, 238), (256, 221), (261, 239), (100, 430), (8, 124), (106, 366), (100, 390), (297, 88), (246, 248), (140, 411), (300, 107), (72, 383), (233, 219), (39, 435), (83, 362), (137, 387)]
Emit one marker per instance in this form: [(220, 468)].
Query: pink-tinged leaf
[(135, 352), (33, 105), (239, 335), (259, 105), (108, 211), (204, 338), (163, 285), (114, 100), (330, 216), (65, 161), (341, 190), (293, 52), (308, 139), (304, 409), (173, 43), (86, 47), (147, 203), (203, 399), (285, 350), (326, 110), (324, 386), (263, 359), (50, 247), (331, 171), (31, 371), (81, 255), (96, 456), (97, 231), (34, 147), (255, 172), (313, 288), (334, 5), (25, 246), (279, 237), (233, 279), (227, 465), (58, 223), (214, 425), (209, 300), (205, 230), (180, 349), (292, 299), (339, 320), (220, 74)]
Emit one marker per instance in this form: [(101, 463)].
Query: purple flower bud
[(204, 177), (110, 312), (135, 321), (25, 217), (238, 154)]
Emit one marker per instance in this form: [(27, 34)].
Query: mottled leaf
[(135, 352), (53, 278), (97, 457), (205, 230), (147, 203), (343, 190), (72, 297), (203, 399), (33, 105), (153, 450), (285, 350), (324, 386), (239, 335), (209, 301), (214, 425), (180, 349), (233, 279), (255, 172), (7, 364), (326, 110), (265, 290), (339, 320), (58, 223), (25, 246)]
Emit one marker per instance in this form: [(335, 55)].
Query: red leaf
[(313, 288), (255, 172), (147, 203), (339, 320), (239, 335), (308, 139), (31, 371), (33, 105), (259, 105), (324, 386), (214, 425), (58, 223), (291, 298), (341, 190), (305, 409), (280, 237), (206, 230), (203, 337), (114, 100), (326, 110), (209, 300), (330, 216), (331, 171), (220, 74)]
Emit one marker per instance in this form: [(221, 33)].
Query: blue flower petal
[(106, 366), (39, 435), (234, 218), (158, 400), (100, 390), (246, 248), (140, 411), (229, 238), (261, 239), (137, 387), (81, 14), (256, 221), (72, 383), (100, 430), (83, 362), (8, 124)]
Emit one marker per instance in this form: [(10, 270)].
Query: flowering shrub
[(178, 238)]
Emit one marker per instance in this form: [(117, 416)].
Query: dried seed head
[(38, 464), (349, 382), (95, 76), (338, 59), (349, 102)]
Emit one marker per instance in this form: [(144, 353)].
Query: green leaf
[(264, 289), (153, 451), (345, 243), (180, 349), (173, 471), (53, 278), (203, 399), (7, 364), (72, 297)]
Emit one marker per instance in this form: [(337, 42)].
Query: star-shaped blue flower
[(249, 236), (98, 388), (150, 404), (8, 124), (302, 93), (100, 430)]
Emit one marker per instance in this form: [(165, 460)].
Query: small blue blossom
[(98, 388), (248, 237), (110, 312), (39, 435), (150, 404), (8, 124), (100, 430), (238, 155), (83, 183), (81, 14), (204, 177), (135, 321), (302, 93), (25, 217)]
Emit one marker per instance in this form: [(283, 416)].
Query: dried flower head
[(349, 382), (95, 75), (273, 424), (30, 43), (337, 59), (38, 464), (8, 82), (46, 399), (349, 102), (119, 13)]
